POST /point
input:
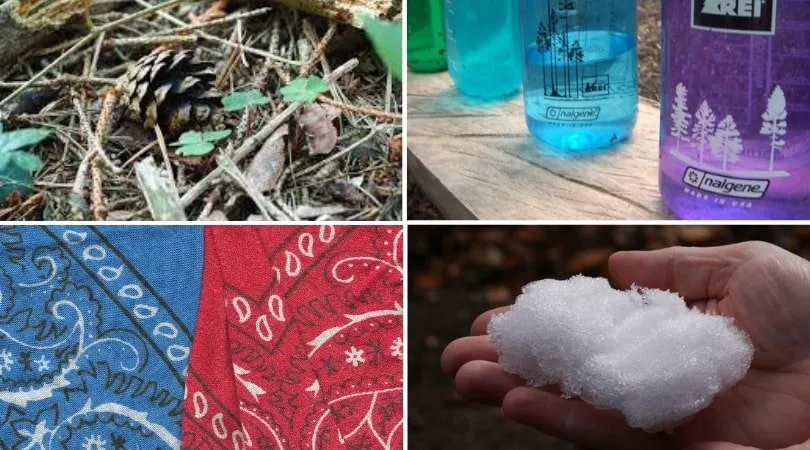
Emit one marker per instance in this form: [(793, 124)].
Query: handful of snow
[(641, 351)]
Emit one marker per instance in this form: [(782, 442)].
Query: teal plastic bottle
[(483, 47)]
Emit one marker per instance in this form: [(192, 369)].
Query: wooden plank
[(477, 160)]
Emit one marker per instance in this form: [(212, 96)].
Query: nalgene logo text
[(735, 16), (585, 114), (726, 185)]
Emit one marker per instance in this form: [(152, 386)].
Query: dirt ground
[(336, 155), (456, 273), (649, 54)]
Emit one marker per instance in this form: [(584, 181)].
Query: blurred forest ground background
[(457, 273), (649, 57)]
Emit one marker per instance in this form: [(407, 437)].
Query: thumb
[(695, 273)]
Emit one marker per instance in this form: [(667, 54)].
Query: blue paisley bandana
[(96, 325)]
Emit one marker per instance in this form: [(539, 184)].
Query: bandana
[(96, 326), (300, 344)]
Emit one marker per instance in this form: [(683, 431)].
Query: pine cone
[(172, 90)]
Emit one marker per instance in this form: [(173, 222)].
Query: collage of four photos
[(391, 224)]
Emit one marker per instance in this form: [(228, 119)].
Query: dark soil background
[(649, 54), (456, 273)]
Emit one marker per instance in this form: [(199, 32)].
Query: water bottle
[(735, 109), (483, 47), (427, 51), (580, 82)]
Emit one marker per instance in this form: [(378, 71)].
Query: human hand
[(763, 287)]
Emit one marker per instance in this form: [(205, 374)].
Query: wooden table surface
[(478, 161)]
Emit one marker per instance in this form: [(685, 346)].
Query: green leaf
[(213, 136), (14, 140), (196, 149), (27, 161), (304, 90), (189, 137), (17, 168), (387, 39), (241, 100), (16, 172), (196, 137)]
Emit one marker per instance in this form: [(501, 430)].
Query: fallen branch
[(27, 24), (346, 11)]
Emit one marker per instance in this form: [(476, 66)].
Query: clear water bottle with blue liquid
[(483, 47), (580, 64)]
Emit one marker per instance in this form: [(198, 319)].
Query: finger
[(718, 446), (695, 273), (466, 349), (485, 382), (480, 324), (575, 421)]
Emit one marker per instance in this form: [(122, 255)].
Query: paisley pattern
[(96, 326), (301, 343)]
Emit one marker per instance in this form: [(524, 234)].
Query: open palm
[(767, 292)]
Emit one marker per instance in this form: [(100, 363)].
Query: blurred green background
[(456, 273)]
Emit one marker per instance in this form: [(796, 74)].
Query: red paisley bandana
[(299, 343)]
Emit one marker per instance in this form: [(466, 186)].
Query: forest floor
[(281, 160), (457, 273), (649, 54)]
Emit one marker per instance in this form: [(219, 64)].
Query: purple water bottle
[(735, 109)]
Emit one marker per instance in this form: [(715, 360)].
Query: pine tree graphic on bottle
[(726, 142), (546, 44), (555, 44), (774, 122), (680, 116), (703, 129)]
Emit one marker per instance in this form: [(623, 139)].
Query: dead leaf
[(347, 191), (395, 150), (267, 166), (316, 120), (217, 10)]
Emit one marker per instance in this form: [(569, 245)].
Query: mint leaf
[(304, 90)]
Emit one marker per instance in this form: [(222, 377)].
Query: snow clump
[(641, 351)]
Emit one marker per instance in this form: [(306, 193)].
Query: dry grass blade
[(160, 197)]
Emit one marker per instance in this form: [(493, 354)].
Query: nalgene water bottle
[(427, 50), (735, 109), (580, 82), (483, 47)]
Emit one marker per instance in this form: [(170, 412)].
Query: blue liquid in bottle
[(483, 47), (580, 82)]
